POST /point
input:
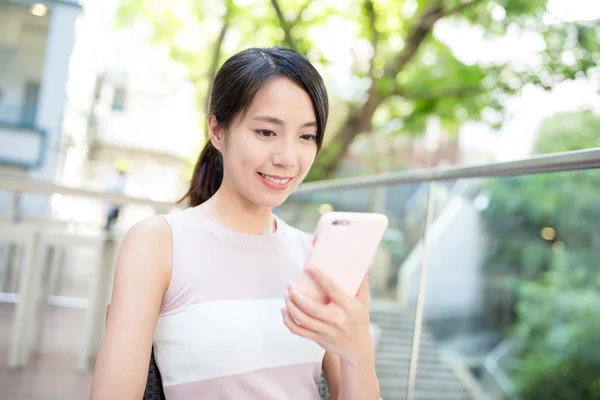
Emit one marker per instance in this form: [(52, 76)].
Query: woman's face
[(268, 153)]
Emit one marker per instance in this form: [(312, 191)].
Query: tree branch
[(415, 37), (300, 12), (284, 25), (359, 118), (443, 93), (370, 8), (212, 70), (420, 31), (462, 7)]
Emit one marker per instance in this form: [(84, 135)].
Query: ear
[(215, 132)]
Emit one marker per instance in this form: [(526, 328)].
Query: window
[(118, 101)]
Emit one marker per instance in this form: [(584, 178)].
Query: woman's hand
[(341, 326)]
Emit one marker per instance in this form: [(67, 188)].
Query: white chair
[(26, 235), (34, 292)]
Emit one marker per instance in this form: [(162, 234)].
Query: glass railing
[(502, 286), (485, 286)]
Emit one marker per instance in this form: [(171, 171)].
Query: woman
[(209, 286)]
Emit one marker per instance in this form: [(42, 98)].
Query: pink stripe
[(295, 381)]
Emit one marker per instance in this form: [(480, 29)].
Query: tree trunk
[(358, 121)]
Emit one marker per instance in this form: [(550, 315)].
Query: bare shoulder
[(151, 232), (147, 248), (155, 229)]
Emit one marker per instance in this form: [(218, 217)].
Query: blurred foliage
[(555, 272), (401, 72), (569, 131)]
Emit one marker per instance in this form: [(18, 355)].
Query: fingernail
[(290, 286)]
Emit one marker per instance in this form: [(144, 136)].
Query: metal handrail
[(569, 161), (16, 183), (492, 364), (557, 162)]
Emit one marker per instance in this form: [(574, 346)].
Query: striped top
[(220, 333)]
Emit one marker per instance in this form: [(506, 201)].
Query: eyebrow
[(277, 121)]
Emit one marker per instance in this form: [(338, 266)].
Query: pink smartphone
[(344, 245)]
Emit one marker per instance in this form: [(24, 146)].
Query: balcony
[(22, 144), (23, 44)]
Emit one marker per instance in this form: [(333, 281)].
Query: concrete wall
[(454, 263)]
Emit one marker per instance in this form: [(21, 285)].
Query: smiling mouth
[(275, 179)]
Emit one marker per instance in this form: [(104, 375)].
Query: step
[(400, 382), (434, 380), (407, 319), (395, 394), (424, 356), (386, 305), (429, 370), (392, 355), (434, 374), (396, 324), (399, 343)]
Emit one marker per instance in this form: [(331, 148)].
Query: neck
[(233, 212)]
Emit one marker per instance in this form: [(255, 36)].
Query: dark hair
[(233, 91)]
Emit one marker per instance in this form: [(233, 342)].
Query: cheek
[(243, 154), (306, 159)]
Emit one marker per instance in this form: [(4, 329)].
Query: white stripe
[(222, 338)]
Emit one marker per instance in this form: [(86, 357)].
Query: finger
[(305, 320), (295, 328), (332, 316), (331, 289), (313, 309), (363, 293)]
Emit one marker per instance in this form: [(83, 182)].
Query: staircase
[(435, 381)]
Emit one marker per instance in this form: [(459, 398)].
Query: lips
[(275, 179), (272, 182)]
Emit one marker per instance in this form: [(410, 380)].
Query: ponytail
[(207, 177)]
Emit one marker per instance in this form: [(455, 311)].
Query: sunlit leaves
[(354, 42)]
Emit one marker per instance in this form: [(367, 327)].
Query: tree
[(402, 74), (569, 131), (547, 242)]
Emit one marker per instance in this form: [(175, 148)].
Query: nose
[(285, 154)]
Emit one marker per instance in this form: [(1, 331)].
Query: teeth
[(275, 180)]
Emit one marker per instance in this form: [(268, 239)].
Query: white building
[(128, 103), (71, 108), (36, 41)]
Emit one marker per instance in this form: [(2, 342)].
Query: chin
[(270, 200)]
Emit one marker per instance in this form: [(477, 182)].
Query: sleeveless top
[(220, 333)]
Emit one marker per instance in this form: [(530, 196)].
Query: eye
[(265, 133), (310, 137)]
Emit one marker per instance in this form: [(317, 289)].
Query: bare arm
[(141, 280), (350, 379), (331, 370)]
